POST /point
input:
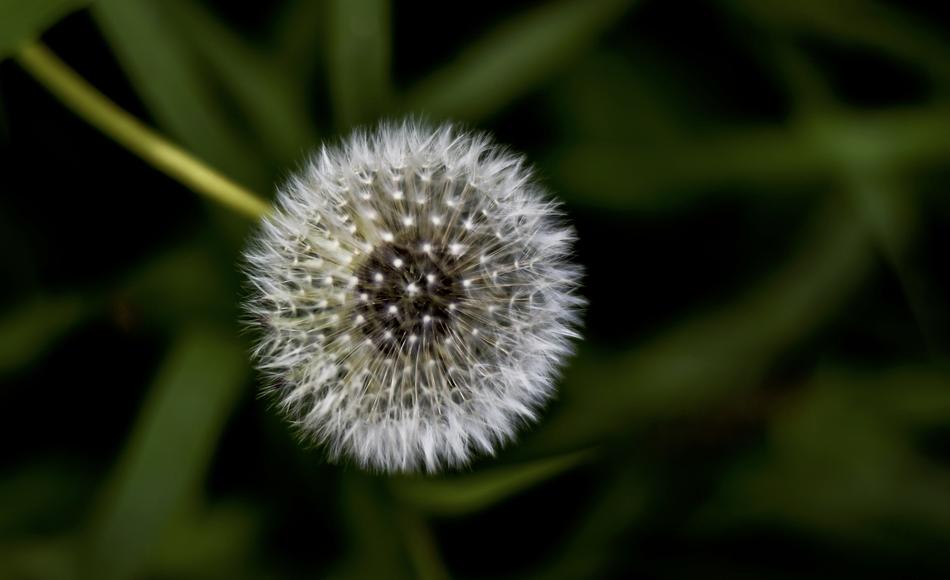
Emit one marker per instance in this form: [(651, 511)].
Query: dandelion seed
[(430, 379)]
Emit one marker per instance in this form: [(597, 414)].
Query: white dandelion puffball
[(415, 296)]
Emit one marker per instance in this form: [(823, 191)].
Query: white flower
[(416, 296)]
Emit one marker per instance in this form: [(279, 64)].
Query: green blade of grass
[(176, 90), (23, 20), (223, 537), (889, 214), (715, 355), (838, 463), (42, 492), (513, 59), (30, 557), (297, 35), (359, 60), (270, 100), (611, 175), (916, 397), (470, 493), (604, 97), (622, 497), (880, 200), (870, 24), (421, 546), (167, 454), (31, 329), (375, 548)]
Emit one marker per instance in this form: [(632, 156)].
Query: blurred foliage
[(760, 189), (472, 492), (167, 454), (28, 331), (25, 18)]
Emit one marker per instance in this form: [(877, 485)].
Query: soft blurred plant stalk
[(132, 134)]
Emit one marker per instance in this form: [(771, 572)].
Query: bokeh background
[(761, 193)]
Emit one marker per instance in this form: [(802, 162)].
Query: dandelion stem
[(128, 131)]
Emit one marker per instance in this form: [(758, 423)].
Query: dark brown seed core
[(419, 284)]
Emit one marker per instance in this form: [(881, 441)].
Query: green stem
[(421, 547), (131, 133)]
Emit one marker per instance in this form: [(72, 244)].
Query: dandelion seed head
[(409, 348)]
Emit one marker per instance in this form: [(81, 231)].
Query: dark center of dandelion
[(407, 295)]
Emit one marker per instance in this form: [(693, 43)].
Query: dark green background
[(761, 194)]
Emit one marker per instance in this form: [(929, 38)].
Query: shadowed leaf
[(359, 59), (841, 464), (612, 175), (165, 459), (513, 59), (41, 494), (862, 22), (46, 558), (473, 492), (270, 100), (30, 329), (622, 498), (298, 33), (181, 285), (166, 74), (222, 538), (714, 355), (22, 20), (375, 547)]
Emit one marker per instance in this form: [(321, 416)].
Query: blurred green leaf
[(841, 464), (889, 214), (911, 396), (167, 455), (715, 355), (31, 329), (174, 288), (22, 20), (513, 59), (270, 100), (622, 498), (360, 48), (386, 540), (463, 494), (809, 92), (223, 538), (421, 546), (605, 97), (612, 175), (868, 23), (298, 34), (41, 495), (167, 75), (375, 546), (887, 210), (46, 559)]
